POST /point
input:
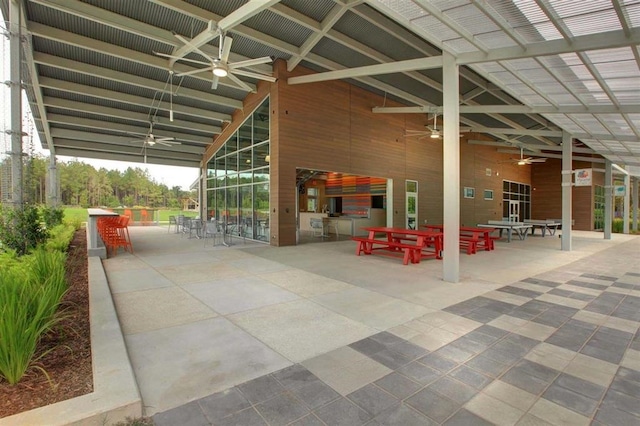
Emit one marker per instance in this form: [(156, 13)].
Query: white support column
[(451, 168), (636, 182), (15, 56), (52, 182), (627, 203), (567, 175), (608, 199)]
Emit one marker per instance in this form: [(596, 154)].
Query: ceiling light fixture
[(220, 69), (435, 134)]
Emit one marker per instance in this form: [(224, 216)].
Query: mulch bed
[(69, 363)]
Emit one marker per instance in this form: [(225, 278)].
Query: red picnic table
[(470, 237), (415, 244)]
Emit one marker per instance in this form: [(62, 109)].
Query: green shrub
[(617, 226), (29, 298), (21, 229), (60, 237), (52, 216)]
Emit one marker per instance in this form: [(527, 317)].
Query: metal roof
[(96, 76)]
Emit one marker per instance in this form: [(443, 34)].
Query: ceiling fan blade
[(226, 48), (168, 143), (182, 74), (251, 62), (181, 59), (167, 139), (214, 82), (194, 47), (255, 75), (239, 82)]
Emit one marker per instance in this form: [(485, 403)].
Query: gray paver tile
[(570, 399), (223, 403), (402, 415), (438, 362), (188, 415), (398, 385), (367, 346), (342, 412), (466, 418), (248, 417), (611, 416), (529, 376), (294, 376), (372, 399), (471, 377), (282, 409), (454, 353), (308, 420), (420, 373), (390, 359), (260, 389), (453, 389), (433, 405), (491, 331), (315, 394), (583, 387), (487, 366), (625, 386), (622, 402)]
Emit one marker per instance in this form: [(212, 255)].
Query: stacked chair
[(114, 232)]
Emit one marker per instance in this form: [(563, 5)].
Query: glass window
[(238, 178), (411, 186)]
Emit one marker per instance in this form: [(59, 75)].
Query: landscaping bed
[(68, 365)]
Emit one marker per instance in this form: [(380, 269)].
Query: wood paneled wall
[(329, 126), (546, 198)]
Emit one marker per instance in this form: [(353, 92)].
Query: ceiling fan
[(431, 132), (151, 140), (219, 66), (522, 161)]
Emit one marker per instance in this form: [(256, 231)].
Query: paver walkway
[(560, 347)]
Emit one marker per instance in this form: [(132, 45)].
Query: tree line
[(82, 185)]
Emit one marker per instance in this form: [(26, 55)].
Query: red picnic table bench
[(414, 244), (470, 237)]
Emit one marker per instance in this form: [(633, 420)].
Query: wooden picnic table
[(470, 237), (414, 244)]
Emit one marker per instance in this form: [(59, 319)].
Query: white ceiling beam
[(99, 138), (134, 80), (105, 48), (546, 155), (244, 12), (531, 147), (134, 131), (523, 132), (50, 101), (369, 70), (600, 137), (517, 109), (135, 158), (131, 149), (96, 92), (604, 40), (327, 23)]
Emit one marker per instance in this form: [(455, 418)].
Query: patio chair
[(317, 226), (195, 228), (172, 221), (212, 229)]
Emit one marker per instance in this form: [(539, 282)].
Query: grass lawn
[(83, 215)]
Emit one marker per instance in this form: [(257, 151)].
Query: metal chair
[(174, 222), (317, 226), (333, 224), (212, 229)]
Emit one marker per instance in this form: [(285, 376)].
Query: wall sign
[(583, 177)]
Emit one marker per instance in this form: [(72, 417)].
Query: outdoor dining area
[(217, 230)]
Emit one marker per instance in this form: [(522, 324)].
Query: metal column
[(567, 173), (608, 199), (626, 204), (15, 56), (52, 182), (636, 182), (451, 168)]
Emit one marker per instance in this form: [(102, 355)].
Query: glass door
[(411, 216), (514, 211)]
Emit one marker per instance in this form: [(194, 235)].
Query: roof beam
[(96, 92), (604, 40), (523, 132), (134, 131), (605, 137), (329, 21), (135, 158), (369, 70), (134, 80), (81, 135), (529, 147), (559, 156), (127, 115), (131, 149), (516, 109)]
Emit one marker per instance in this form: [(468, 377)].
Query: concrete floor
[(208, 329)]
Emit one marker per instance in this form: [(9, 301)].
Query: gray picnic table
[(520, 228), (545, 226)]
